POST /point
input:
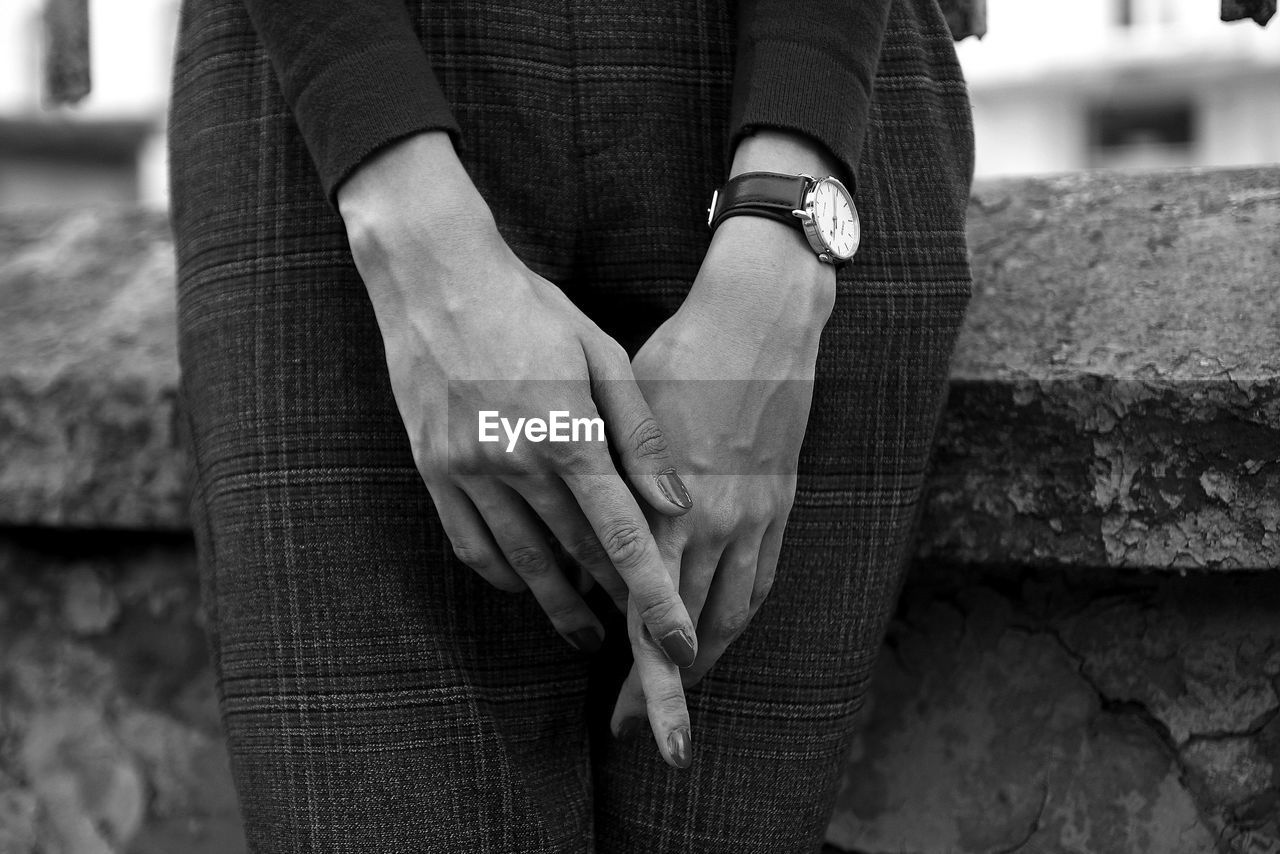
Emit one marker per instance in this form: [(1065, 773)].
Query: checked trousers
[(378, 696)]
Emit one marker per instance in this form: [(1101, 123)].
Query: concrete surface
[(1025, 711)]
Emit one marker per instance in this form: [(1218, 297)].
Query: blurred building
[(110, 148), (1121, 84), (1056, 87)]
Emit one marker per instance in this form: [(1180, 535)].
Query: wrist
[(777, 263), (755, 208), (790, 153), (760, 265), (416, 185)]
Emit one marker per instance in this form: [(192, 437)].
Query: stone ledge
[(1116, 389), (1116, 394)]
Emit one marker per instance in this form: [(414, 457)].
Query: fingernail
[(673, 489), (585, 640), (679, 747), (679, 647), (629, 728)]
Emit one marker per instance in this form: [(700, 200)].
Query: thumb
[(643, 450)]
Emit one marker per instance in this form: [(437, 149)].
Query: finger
[(524, 545), (551, 499), (767, 566), (642, 447), (623, 532), (697, 573), (578, 577), (629, 713), (470, 538), (657, 682), (728, 607)]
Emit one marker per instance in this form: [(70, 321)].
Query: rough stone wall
[(109, 733), (1012, 711), (1017, 711)]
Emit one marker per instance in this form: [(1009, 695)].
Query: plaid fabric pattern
[(378, 697)]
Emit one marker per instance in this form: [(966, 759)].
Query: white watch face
[(835, 219)]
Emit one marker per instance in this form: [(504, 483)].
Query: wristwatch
[(820, 207)]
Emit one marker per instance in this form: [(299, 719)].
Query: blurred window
[(1146, 14), (50, 163), (1141, 135)]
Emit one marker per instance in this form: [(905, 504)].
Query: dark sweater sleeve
[(355, 76), (807, 66)]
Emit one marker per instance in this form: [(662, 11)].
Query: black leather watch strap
[(767, 194)]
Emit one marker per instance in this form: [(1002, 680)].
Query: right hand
[(467, 326)]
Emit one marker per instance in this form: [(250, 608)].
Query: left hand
[(730, 378)]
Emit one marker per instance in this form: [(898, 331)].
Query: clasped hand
[(728, 378)]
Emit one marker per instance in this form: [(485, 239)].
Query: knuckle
[(625, 543), (617, 352), (721, 521), (648, 440), (587, 551), (669, 699), (571, 456), (660, 612), (472, 554), (522, 462), (534, 489), (490, 460), (430, 463), (731, 624), (608, 351), (467, 460), (760, 591), (564, 613), (530, 561)]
